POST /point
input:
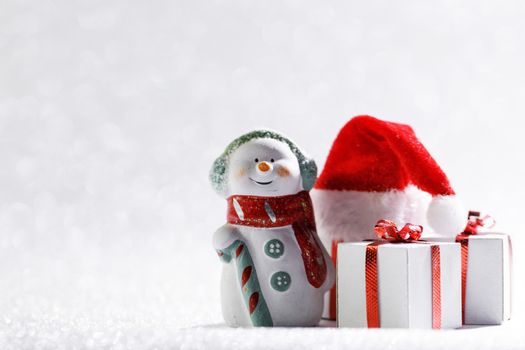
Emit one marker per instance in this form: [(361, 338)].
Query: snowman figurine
[(275, 271)]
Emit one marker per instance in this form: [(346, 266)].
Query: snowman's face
[(264, 167)]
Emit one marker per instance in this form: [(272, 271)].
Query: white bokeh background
[(111, 113)]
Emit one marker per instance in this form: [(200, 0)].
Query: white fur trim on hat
[(351, 215)]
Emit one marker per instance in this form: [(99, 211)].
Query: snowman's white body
[(301, 304)]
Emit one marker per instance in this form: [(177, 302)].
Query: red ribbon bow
[(475, 221), (387, 229)]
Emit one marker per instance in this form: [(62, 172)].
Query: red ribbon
[(332, 298), (473, 223), (387, 230)]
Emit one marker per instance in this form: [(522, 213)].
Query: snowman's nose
[(264, 167)]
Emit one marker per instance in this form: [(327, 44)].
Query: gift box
[(486, 273), (409, 284)]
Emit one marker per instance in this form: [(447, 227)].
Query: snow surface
[(112, 112)]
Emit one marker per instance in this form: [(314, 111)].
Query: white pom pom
[(446, 216)]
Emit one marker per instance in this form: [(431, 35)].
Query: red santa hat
[(380, 170)]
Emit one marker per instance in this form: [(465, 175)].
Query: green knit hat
[(220, 166)]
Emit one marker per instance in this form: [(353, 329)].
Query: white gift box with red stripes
[(487, 280), (411, 291)]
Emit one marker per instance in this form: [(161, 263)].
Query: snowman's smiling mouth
[(260, 182)]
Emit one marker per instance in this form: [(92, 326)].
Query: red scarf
[(295, 210)]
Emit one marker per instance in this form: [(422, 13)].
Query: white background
[(111, 113)]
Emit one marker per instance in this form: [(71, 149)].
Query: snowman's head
[(262, 163)]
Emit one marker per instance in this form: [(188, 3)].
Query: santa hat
[(380, 170)]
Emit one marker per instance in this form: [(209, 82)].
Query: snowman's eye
[(256, 160), (272, 160)]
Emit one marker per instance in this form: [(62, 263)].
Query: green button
[(281, 281), (274, 248)]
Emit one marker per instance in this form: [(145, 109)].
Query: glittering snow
[(112, 112)]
